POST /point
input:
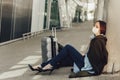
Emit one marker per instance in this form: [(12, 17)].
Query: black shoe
[(51, 70), (37, 69), (80, 74), (71, 69)]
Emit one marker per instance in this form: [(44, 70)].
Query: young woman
[(92, 62)]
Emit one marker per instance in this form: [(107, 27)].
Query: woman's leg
[(72, 53), (65, 62)]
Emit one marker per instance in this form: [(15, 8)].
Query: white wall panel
[(38, 15)]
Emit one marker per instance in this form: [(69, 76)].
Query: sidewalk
[(14, 57)]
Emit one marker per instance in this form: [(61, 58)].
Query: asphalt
[(15, 57)]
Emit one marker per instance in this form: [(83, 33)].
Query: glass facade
[(54, 18), (51, 14)]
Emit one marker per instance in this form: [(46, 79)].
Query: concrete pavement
[(14, 57)]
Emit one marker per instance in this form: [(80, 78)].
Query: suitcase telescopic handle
[(54, 32)]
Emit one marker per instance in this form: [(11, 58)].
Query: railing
[(31, 34)]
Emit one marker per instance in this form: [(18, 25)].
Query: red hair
[(102, 27)]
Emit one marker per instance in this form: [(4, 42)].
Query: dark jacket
[(97, 53)]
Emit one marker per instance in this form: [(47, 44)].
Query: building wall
[(6, 19), (15, 18), (21, 17)]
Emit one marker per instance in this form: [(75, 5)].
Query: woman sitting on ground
[(92, 62)]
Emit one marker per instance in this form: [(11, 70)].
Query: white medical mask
[(95, 30)]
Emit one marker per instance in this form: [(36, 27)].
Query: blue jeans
[(69, 53)]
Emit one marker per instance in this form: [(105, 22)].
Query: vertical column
[(71, 11), (105, 11), (63, 13), (67, 12), (99, 10), (37, 15), (60, 12), (113, 30)]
